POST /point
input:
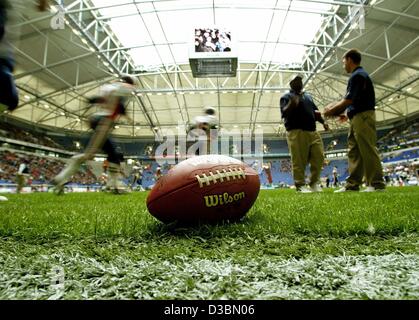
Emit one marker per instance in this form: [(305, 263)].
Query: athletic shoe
[(58, 189), (316, 188), (303, 190), (120, 190), (372, 189), (344, 189)]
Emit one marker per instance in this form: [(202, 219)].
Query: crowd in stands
[(10, 131), (286, 165), (401, 174), (400, 138), (41, 170), (279, 172), (398, 169), (402, 156), (276, 173), (212, 40)]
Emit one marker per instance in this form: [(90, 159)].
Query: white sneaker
[(58, 189), (120, 190), (303, 190), (345, 190), (372, 189), (316, 188)]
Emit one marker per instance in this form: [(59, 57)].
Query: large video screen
[(212, 40)]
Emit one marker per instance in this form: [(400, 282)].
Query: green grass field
[(289, 246)]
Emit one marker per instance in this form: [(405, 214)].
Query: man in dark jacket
[(306, 146)]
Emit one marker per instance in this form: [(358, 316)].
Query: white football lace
[(219, 176)]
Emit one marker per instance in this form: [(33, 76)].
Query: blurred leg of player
[(140, 183), (134, 179), (102, 127), (114, 170)]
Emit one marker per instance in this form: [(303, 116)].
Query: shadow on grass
[(202, 229)]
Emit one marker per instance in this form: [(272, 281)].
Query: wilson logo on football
[(223, 199), (220, 176)]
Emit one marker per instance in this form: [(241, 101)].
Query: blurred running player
[(137, 176), (112, 103), (204, 129)]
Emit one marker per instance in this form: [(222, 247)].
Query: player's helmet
[(128, 79), (209, 111)]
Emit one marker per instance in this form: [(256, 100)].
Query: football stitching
[(224, 174)]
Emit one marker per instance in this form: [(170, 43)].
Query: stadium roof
[(164, 30), (65, 55)]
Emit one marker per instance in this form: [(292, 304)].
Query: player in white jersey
[(22, 175), (112, 101), (10, 12), (204, 129), (137, 176), (207, 121)]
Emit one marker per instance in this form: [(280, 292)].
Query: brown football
[(209, 188)]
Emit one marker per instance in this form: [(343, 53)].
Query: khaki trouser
[(306, 147), (363, 158), (21, 181)]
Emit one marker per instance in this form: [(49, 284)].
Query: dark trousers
[(2, 19), (335, 180), (8, 92)]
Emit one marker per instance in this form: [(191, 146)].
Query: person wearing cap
[(300, 114), (359, 104), (111, 104)]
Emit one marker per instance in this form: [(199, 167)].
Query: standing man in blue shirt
[(306, 146), (359, 103)]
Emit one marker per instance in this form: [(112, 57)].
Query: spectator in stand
[(42, 169)]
